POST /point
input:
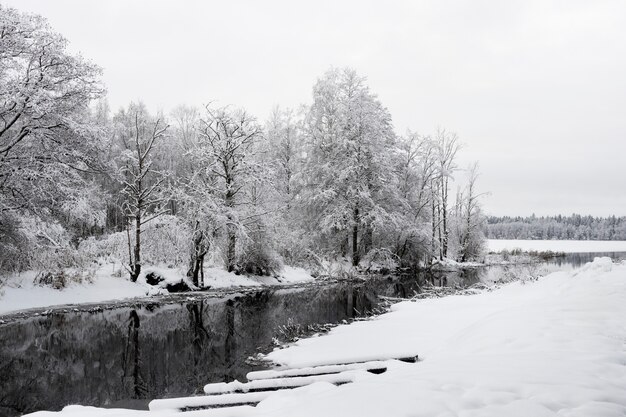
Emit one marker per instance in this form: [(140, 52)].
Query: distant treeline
[(574, 227)]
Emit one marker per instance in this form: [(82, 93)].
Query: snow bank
[(20, 292), (109, 284), (219, 278), (568, 246), (554, 347), (81, 411)]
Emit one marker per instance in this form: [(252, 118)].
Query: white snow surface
[(19, 291), (552, 347), (567, 246)]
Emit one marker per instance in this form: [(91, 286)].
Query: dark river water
[(125, 354)]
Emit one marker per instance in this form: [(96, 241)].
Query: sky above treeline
[(535, 89)]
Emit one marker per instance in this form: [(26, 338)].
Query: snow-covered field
[(19, 292), (552, 347), (567, 246)]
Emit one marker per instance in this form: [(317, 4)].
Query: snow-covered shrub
[(292, 331), (296, 250), (380, 260), (259, 261), (257, 257), (164, 241), (37, 244), (14, 245), (340, 268), (112, 247), (63, 278), (522, 273)]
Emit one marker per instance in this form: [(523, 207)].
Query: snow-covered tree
[(284, 139), (285, 160), (227, 168), (46, 142), (469, 220), (446, 148), (332, 180), (143, 184), (348, 171), (417, 169), (49, 149)]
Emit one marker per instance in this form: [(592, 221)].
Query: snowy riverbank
[(550, 347), (107, 283)]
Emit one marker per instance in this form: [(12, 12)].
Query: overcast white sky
[(536, 90)]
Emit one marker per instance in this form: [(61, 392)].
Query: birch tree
[(446, 149)]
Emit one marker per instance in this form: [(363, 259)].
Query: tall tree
[(285, 147), (227, 143), (349, 171), (143, 183), (470, 219), (417, 169), (284, 158), (49, 150), (46, 142), (446, 149)]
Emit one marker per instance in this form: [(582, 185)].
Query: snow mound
[(294, 274), (599, 264), (164, 280)]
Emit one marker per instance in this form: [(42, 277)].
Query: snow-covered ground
[(567, 246), (19, 292), (552, 347)]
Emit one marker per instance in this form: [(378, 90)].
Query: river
[(124, 354)]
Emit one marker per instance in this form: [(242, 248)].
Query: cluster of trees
[(574, 227), (332, 180)]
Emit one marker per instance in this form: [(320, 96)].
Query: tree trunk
[(439, 234), (195, 271), (444, 210), (355, 238), (231, 235), (434, 228), (135, 268), (232, 242), (196, 260), (366, 239)]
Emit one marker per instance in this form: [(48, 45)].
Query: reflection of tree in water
[(131, 363), (230, 343), (200, 335)]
